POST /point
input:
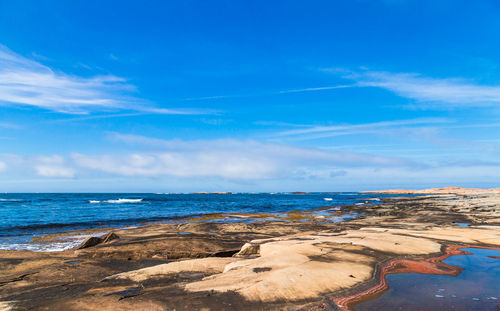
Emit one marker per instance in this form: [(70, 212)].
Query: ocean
[(27, 216)]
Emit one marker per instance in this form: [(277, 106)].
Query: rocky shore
[(299, 262)]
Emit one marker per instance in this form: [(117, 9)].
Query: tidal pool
[(476, 287)]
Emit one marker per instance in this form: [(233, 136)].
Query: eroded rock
[(93, 241)]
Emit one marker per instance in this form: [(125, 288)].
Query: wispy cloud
[(213, 97), (430, 92), (144, 111), (315, 132), (280, 124), (226, 158), (11, 126), (427, 92), (315, 89), (39, 56), (98, 117), (267, 93), (179, 111), (27, 82)]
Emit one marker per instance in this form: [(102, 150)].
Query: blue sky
[(186, 96)]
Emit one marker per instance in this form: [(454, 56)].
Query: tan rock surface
[(205, 265), (302, 267)]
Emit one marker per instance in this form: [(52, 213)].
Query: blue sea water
[(27, 215)]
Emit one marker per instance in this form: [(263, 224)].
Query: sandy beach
[(297, 263)]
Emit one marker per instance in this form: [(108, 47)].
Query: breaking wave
[(117, 201)]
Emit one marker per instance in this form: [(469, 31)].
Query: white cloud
[(54, 171), (27, 82), (3, 166), (177, 164), (225, 158), (431, 92), (238, 165), (53, 166)]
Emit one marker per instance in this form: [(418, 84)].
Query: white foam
[(327, 199), (116, 201), (239, 216), (39, 247), (124, 201), (68, 243)]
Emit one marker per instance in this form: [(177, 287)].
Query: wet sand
[(300, 262)]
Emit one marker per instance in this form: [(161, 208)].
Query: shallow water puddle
[(127, 292), (476, 287)]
